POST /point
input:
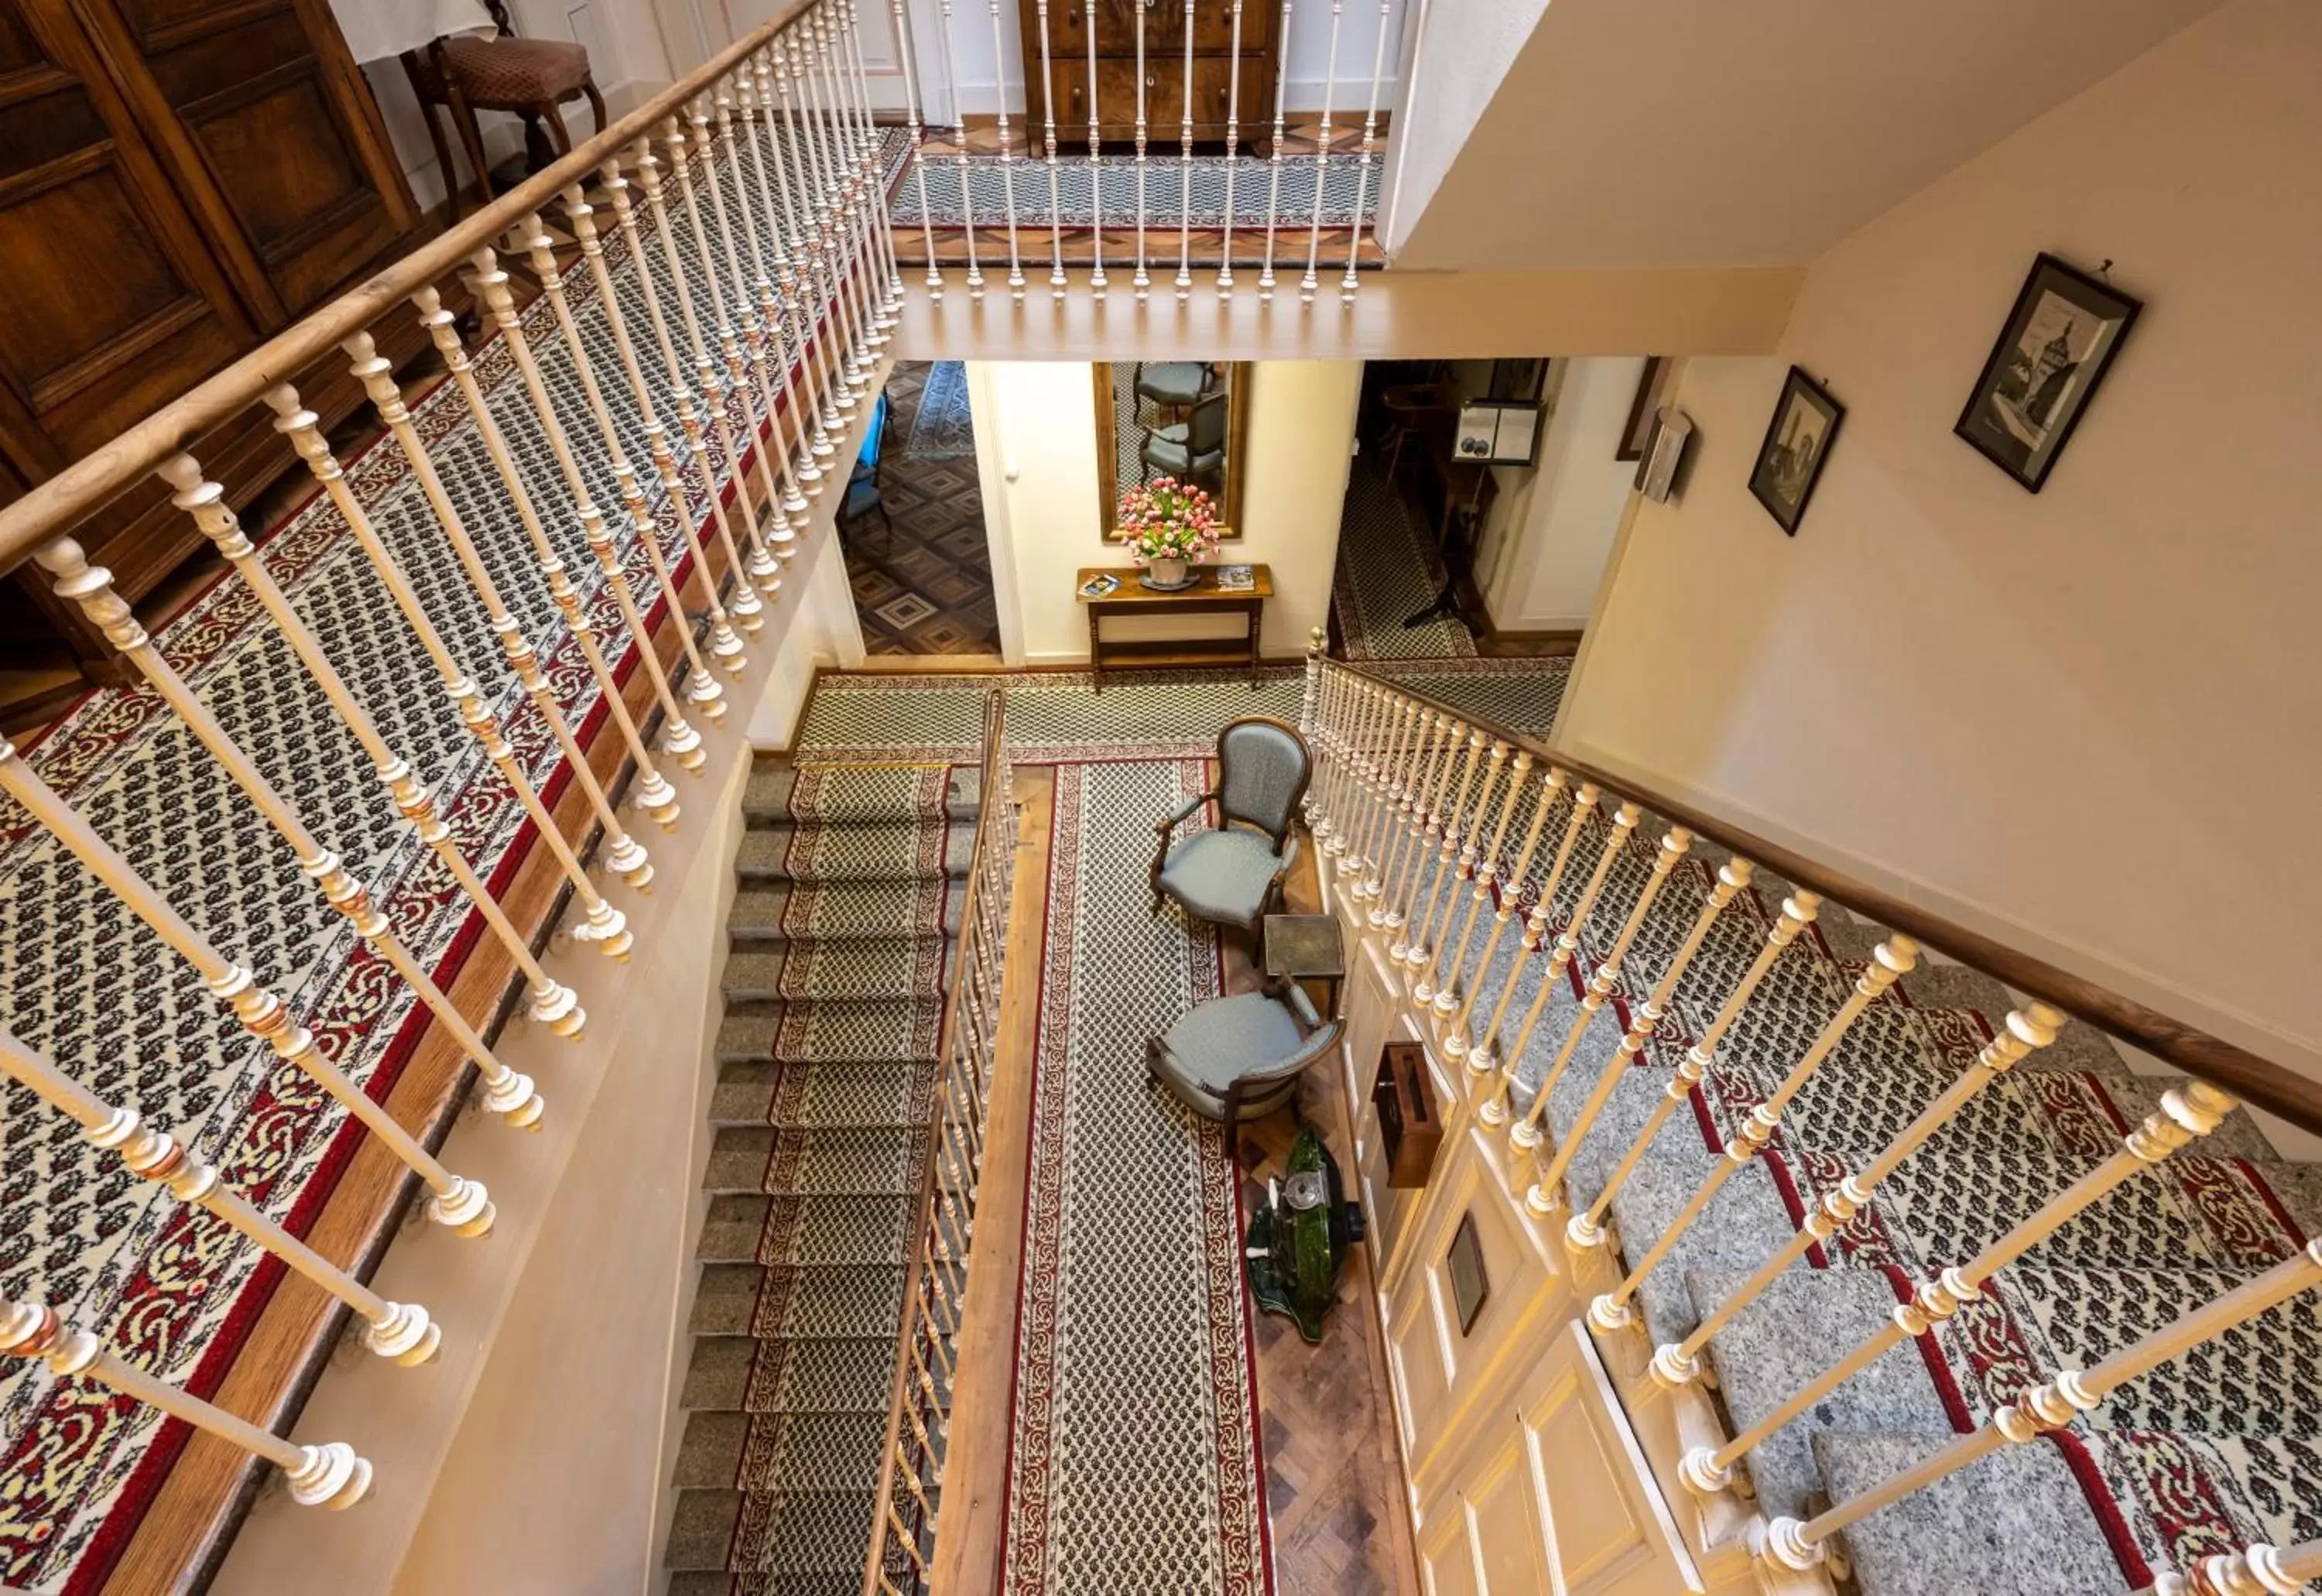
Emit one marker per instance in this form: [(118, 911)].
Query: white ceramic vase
[(1161, 572)]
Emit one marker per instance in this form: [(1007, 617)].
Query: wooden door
[(113, 305), (260, 117)]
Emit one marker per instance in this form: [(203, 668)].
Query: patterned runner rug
[(1052, 714), (1386, 573), (1134, 1465), (942, 429), (170, 1288), (1164, 191)]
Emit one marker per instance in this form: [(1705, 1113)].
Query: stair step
[(777, 912), (2018, 1521), (743, 1228), (836, 794), (860, 1093), (744, 1374), (793, 1533), (804, 1452), (882, 1161), (803, 1032), (876, 852), (806, 1303), (840, 971)]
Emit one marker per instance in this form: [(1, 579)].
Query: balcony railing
[(1441, 833), (712, 305)]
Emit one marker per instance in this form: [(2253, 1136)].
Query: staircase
[(1904, 1283), (852, 882)]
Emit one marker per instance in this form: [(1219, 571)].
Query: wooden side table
[(1204, 598), (1306, 948)]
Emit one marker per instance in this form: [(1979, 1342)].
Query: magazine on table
[(1237, 579), (1103, 585)]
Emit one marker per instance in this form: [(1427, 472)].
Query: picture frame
[(1798, 438), (1471, 1285), (1497, 432), (2060, 337), (1644, 410), (1524, 379), (1126, 419)]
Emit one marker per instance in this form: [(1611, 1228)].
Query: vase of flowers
[(1168, 526)]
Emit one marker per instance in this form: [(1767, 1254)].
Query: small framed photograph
[(1471, 1288), (2054, 349), (1497, 432), (1237, 579), (1797, 441)]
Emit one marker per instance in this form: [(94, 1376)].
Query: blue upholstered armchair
[(1229, 875), (1238, 1058)]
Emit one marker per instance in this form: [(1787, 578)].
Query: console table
[(1204, 598)]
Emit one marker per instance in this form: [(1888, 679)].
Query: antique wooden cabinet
[(1164, 23), (179, 180)]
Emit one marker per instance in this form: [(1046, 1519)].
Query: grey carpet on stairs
[(841, 932), (2215, 1450)]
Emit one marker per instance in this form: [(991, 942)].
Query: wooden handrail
[(900, 1389), (2258, 1081), (52, 507)]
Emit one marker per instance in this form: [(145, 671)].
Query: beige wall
[(1035, 440), (2079, 718), (1561, 515)]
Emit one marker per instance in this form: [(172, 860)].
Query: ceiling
[(1649, 133)]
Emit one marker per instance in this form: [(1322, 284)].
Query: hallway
[(921, 571)]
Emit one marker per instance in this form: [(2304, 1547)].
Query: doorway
[(911, 524)]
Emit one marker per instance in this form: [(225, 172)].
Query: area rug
[(175, 1292), (1387, 571), (986, 185), (1052, 714), (941, 427), (1133, 1460)]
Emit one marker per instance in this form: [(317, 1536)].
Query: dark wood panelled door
[(110, 305), (276, 151)]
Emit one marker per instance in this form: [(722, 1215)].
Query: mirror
[(1184, 419)]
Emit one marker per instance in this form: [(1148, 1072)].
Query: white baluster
[(1097, 281), (1446, 1001), (1362, 172), (904, 48), (400, 1332), (1273, 158), (1306, 284), (877, 212), (1410, 865), (1421, 955), (327, 1476), (1233, 154), (1472, 822), (1056, 195), (1142, 281), (966, 188), (813, 412), (1184, 283), (2258, 1570), (462, 1206), (1788, 1543), (1457, 1040), (1008, 161), (680, 741), (90, 586)]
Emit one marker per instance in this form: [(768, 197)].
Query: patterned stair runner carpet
[(1387, 572), (841, 932), (1134, 1463), (2215, 1451), (170, 1288)]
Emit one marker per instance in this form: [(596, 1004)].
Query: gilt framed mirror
[(1186, 419)]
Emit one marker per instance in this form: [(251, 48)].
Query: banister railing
[(1416, 805), (936, 1280), (729, 236)]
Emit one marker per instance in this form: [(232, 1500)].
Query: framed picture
[(2053, 352), (1524, 380), (1797, 441), (1471, 1288), (1645, 408), (1498, 432)]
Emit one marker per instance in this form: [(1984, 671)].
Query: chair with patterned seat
[(466, 73), (1238, 1058), (1230, 873)]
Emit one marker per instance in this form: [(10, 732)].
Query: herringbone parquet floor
[(922, 576)]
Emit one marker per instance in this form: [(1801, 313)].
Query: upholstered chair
[(1238, 1058), (1230, 874)]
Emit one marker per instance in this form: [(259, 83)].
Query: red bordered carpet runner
[(1134, 1465)]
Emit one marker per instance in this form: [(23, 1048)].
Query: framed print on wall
[(2054, 349), (1498, 432), (1644, 410), (1797, 441)]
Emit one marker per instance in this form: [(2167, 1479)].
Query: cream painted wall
[(1566, 509), (1035, 430), (2076, 720)]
